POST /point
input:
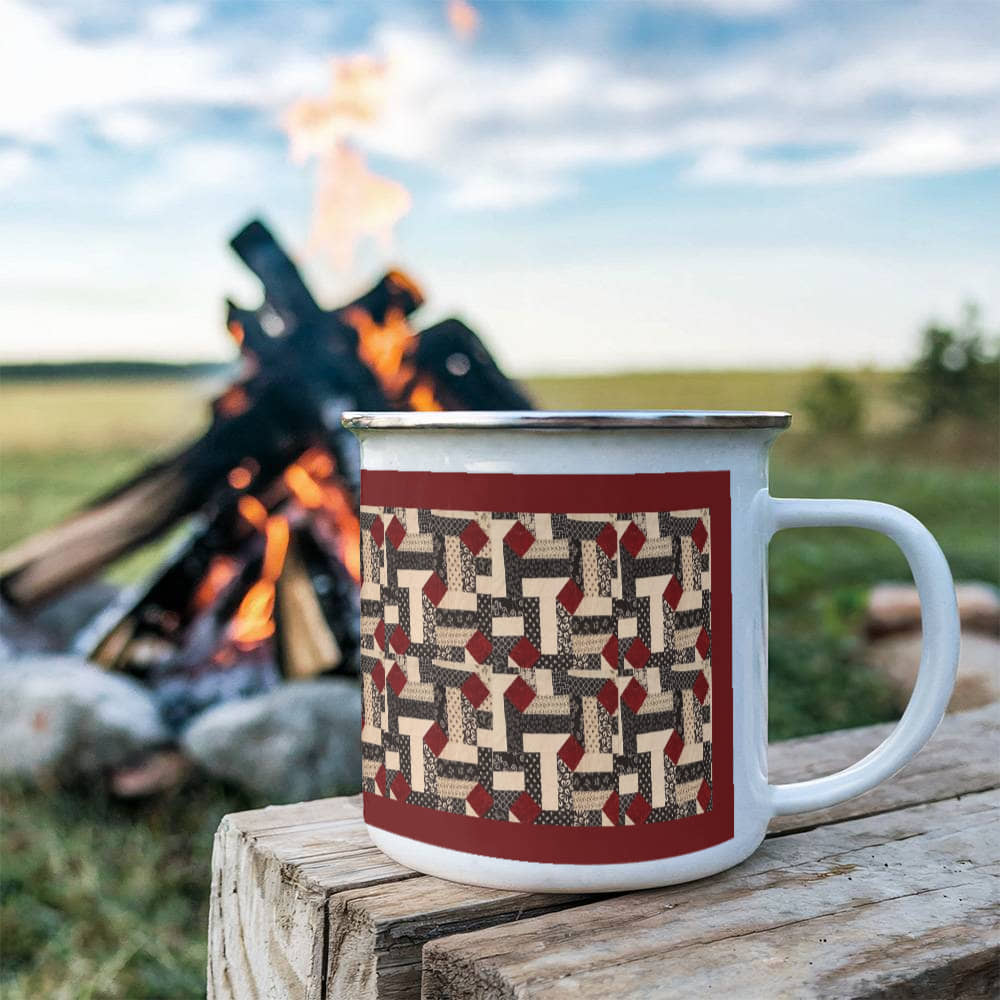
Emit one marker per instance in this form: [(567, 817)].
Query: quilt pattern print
[(550, 669)]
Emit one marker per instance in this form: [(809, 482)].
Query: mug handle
[(938, 659)]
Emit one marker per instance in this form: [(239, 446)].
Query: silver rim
[(556, 420)]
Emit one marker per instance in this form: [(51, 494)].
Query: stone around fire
[(63, 717), (300, 741)]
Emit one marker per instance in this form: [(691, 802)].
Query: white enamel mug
[(564, 644)]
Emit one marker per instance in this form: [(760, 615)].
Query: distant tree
[(835, 404), (957, 372)]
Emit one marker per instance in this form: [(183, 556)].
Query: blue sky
[(596, 186)]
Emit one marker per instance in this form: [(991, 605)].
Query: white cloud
[(174, 18), (57, 78), (897, 98), (14, 164), (889, 91), (909, 151)]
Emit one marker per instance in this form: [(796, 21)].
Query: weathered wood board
[(887, 902), (304, 906)]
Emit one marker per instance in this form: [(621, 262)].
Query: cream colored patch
[(628, 784), (589, 801), (417, 691), (453, 706), (628, 628), (453, 562), (508, 626), (508, 781), (417, 543), (549, 548), (688, 791), (455, 788), (556, 704)]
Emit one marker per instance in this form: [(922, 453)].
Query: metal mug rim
[(476, 420)]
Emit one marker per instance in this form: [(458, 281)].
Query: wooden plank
[(963, 749), (886, 904), (272, 873), (379, 931), (338, 897)]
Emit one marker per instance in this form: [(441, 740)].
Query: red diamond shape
[(400, 788), (380, 779), (700, 534), (435, 588), (519, 694), (524, 654), (638, 654), (436, 739), (399, 640), (608, 697), (673, 593), (525, 808), (608, 540), (396, 532), (378, 532), (634, 695), (570, 596), (702, 644), (380, 634), (479, 646), (378, 676), (633, 539), (674, 747), (475, 690), (611, 808), (571, 753), (701, 688), (397, 679), (473, 537), (480, 800), (638, 810), (610, 651), (704, 795), (519, 539)]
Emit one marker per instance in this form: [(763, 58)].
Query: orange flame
[(422, 397), (254, 618), (310, 482), (386, 348), (357, 92), (252, 510), (233, 402), (353, 204), (240, 477), (221, 572), (463, 18)]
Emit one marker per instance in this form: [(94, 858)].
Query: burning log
[(261, 424), (265, 583)]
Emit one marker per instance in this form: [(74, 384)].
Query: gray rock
[(299, 741), (978, 680), (895, 607), (62, 716)]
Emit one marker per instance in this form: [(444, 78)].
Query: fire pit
[(262, 589)]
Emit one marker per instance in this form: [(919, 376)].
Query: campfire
[(263, 586)]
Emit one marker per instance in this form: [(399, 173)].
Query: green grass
[(104, 899)]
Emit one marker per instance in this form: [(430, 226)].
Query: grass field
[(104, 899)]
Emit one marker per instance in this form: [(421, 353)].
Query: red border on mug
[(580, 494)]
